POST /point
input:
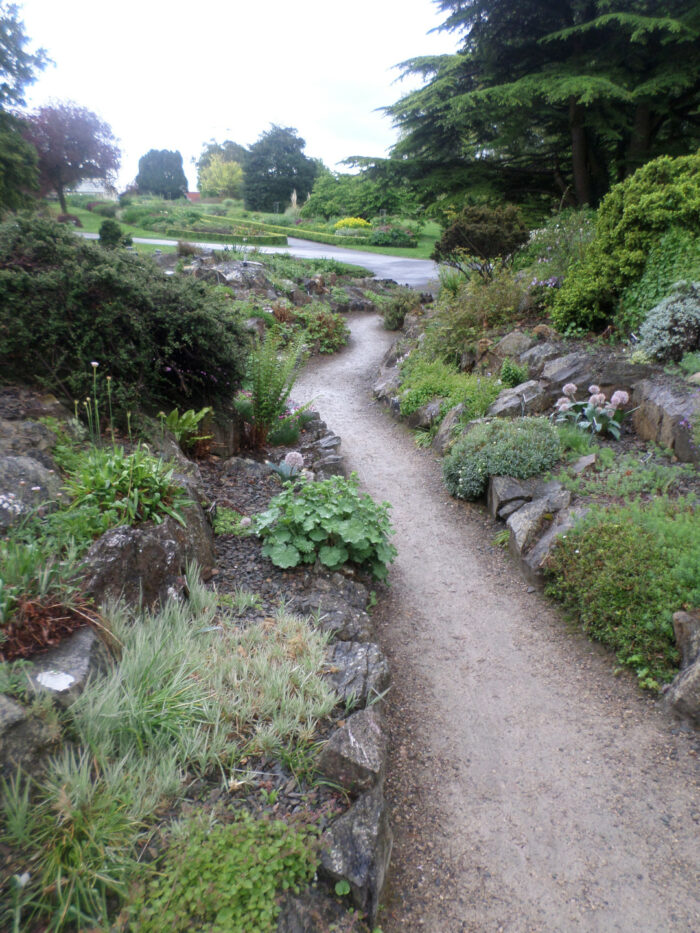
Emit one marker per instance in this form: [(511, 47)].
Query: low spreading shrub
[(387, 235), (325, 331), (330, 521), (424, 380), (166, 340), (520, 448), (672, 328), (224, 877), (594, 573)]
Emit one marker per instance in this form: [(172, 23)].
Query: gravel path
[(531, 789)]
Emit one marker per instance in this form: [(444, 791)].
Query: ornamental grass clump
[(521, 448)]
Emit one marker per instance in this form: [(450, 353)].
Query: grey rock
[(329, 443), (387, 385), (506, 511), (537, 356), (25, 484), (357, 848), (425, 416), (300, 298), (23, 738), (21, 404), (528, 523), (505, 489), (583, 464), (147, 562), (533, 563), (355, 755), (446, 433), (577, 367), (666, 417), (251, 470), (338, 609), (526, 399), (467, 361), (27, 439), (162, 443), (694, 379), (513, 344), (357, 672), (64, 670), (312, 911), (684, 693), (686, 628), (331, 465)]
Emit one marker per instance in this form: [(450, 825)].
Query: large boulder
[(338, 606), (448, 430), (529, 522), (357, 849), (425, 416), (536, 357), (146, 563)]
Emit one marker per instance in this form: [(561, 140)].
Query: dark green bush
[(512, 374), (521, 448), (392, 236), (632, 217), (65, 302), (105, 208), (480, 234), (110, 234)]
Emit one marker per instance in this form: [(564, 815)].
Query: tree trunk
[(582, 184), (640, 139), (61, 198)]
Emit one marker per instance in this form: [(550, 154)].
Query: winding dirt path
[(530, 789)]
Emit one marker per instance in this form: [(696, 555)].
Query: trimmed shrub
[(110, 234), (72, 219), (663, 194), (165, 340), (672, 328), (521, 448), (480, 234)]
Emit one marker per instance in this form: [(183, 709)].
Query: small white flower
[(594, 389), (36, 488), (245, 522), (94, 364)]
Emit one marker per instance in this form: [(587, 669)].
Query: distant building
[(96, 188), (194, 196)]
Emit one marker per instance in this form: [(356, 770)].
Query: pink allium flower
[(594, 390), (563, 404), (598, 400), (570, 389), (619, 398), (294, 460)]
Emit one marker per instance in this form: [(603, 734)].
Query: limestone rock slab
[(357, 672)]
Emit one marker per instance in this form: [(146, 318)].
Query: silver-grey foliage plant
[(672, 327)]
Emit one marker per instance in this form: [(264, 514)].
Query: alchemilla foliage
[(330, 521)]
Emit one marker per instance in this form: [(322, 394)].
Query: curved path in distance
[(531, 790)]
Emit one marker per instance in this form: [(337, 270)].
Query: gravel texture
[(532, 790)]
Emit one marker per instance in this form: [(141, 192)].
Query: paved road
[(418, 273)]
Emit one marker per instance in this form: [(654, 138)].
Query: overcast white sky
[(166, 76)]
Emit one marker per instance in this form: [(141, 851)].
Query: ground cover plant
[(196, 691), (519, 448), (331, 521), (425, 380), (594, 573)]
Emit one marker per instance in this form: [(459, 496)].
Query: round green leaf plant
[(330, 521)]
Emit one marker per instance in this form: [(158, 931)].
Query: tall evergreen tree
[(569, 96), (161, 172), (275, 167)]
